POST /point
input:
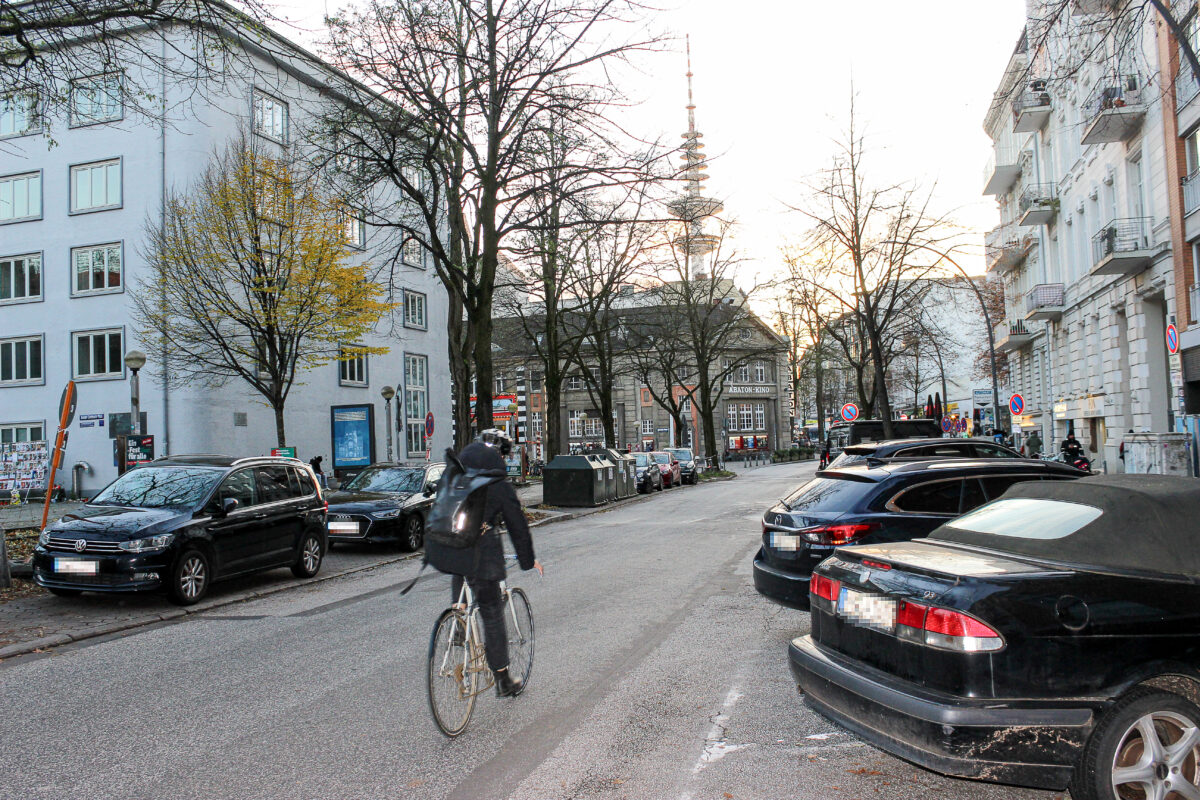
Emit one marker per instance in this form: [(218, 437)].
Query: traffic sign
[(849, 412), (66, 404), (946, 424), (962, 425), (429, 424), (1016, 404), (1172, 340)]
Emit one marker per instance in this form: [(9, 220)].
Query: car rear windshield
[(642, 459), (826, 494), (159, 487), (388, 479), (1027, 518), (662, 458), (681, 455)]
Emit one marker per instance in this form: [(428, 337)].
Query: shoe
[(506, 686)]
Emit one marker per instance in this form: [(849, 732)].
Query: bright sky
[(773, 84)]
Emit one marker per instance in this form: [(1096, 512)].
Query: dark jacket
[(486, 559)]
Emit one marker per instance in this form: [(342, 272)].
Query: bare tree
[(661, 360)]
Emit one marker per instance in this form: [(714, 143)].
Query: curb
[(54, 640)]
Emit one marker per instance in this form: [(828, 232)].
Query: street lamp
[(583, 429), (516, 436), (987, 320), (135, 360), (387, 393)]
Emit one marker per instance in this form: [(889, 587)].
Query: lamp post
[(583, 429), (387, 393), (516, 436), (987, 320), (135, 360)]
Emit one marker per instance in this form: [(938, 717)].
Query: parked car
[(688, 471), (182, 522), (385, 503), (923, 448), (649, 476), (1049, 639), (877, 502), (668, 465), (843, 434)]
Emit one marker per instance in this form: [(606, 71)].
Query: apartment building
[(1084, 245), (76, 196)]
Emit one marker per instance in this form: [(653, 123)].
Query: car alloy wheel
[(1158, 756), (309, 562), (190, 580), (414, 533)]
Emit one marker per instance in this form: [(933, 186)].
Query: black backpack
[(456, 517)]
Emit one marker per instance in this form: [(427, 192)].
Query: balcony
[(1031, 109), (1115, 110), (1080, 7), (1002, 170), (1122, 247), (1012, 335), (1005, 249), (1038, 204), (1045, 301)]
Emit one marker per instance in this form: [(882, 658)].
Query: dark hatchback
[(1050, 639), (874, 503), (385, 503), (649, 476), (183, 522)]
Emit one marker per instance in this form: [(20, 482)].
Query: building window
[(743, 373), (535, 424), (99, 354), (412, 253), (21, 197), (414, 310), (746, 416), (536, 381), (647, 427), (760, 416), (645, 397), (21, 360), (270, 117), (726, 370), (413, 177), (575, 382), (355, 228), (352, 366), (501, 385), (96, 99), (416, 402), (20, 278), (22, 432), (685, 404), (96, 186), (760, 372), (18, 114), (731, 421), (574, 425), (97, 269), (592, 427)]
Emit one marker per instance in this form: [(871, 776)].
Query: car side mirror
[(432, 487), (228, 505)]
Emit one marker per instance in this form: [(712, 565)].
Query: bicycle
[(457, 661)]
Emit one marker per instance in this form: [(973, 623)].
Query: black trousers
[(491, 609)]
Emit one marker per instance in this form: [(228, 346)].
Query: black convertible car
[(1050, 638), (384, 503)]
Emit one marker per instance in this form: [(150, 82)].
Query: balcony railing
[(1114, 111), (1002, 170), (1011, 335), (1045, 301), (1031, 109), (1038, 204), (1191, 192), (1122, 246)]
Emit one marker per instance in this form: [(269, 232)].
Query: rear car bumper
[(115, 573), (1028, 743), (783, 587)]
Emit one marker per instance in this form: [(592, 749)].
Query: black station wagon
[(182, 522)]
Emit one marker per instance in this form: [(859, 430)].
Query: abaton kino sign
[(754, 389)]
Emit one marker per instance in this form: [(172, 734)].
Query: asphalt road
[(659, 673)]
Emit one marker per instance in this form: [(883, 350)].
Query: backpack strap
[(413, 582)]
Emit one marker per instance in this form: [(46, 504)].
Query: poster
[(138, 450), (23, 467), (353, 439)]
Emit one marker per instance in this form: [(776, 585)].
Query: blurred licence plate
[(76, 566), (870, 610), (345, 528)]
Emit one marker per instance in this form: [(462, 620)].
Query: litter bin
[(578, 480), (626, 473)]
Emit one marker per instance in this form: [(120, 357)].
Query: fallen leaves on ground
[(21, 589)]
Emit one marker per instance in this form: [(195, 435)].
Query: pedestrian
[(315, 463), (482, 565), (1034, 443), (1070, 448), (1121, 450)]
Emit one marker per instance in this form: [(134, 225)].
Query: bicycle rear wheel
[(518, 621), (451, 681)]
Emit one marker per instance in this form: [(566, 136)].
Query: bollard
[(5, 577)]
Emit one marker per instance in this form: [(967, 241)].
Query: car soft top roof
[(1146, 524)]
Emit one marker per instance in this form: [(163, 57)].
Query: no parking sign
[(849, 412), (1016, 405), (947, 424), (1172, 340)]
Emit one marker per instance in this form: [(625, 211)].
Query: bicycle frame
[(474, 654)]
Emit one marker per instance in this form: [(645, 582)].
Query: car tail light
[(867, 562), (910, 621), (824, 588), (948, 629), (836, 534)]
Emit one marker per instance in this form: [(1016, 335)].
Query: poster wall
[(23, 467)]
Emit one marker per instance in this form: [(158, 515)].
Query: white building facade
[(1084, 245), (75, 199)]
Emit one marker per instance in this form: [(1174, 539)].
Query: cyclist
[(483, 565)]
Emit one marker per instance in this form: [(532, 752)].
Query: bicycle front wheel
[(518, 620), (451, 680)]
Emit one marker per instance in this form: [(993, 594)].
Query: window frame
[(423, 325), (417, 262), (40, 338), (647, 427), (891, 504), (344, 364), (356, 237), (411, 421), (257, 92), (41, 203), (73, 112), (72, 208), (760, 372), (75, 292), (41, 295), (106, 376), (36, 125), (13, 426)]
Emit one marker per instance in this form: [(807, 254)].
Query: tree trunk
[(881, 390), (819, 380), (280, 436), (552, 429), (459, 350)]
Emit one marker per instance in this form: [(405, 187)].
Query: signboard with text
[(352, 431), (138, 450), (286, 452)]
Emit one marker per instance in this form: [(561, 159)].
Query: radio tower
[(692, 207)]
